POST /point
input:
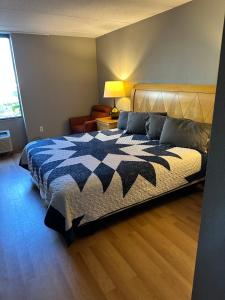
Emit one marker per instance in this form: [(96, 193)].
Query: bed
[(87, 177)]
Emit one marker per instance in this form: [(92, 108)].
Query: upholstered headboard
[(195, 102)]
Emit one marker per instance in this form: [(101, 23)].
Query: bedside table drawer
[(104, 126), (106, 123)]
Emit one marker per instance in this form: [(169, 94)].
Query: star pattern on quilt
[(101, 153)]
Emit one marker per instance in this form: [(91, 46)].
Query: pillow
[(185, 133), (122, 121), (136, 121), (157, 113), (154, 126)]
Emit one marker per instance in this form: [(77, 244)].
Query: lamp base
[(115, 113)]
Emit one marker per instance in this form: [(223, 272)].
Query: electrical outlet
[(41, 128)]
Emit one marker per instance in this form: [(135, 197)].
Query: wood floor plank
[(115, 295), (97, 270), (168, 250), (167, 227), (146, 267), (147, 255)]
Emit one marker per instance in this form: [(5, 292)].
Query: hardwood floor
[(148, 255)]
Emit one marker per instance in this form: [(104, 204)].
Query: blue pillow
[(154, 126), (186, 133), (122, 121), (136, 122)]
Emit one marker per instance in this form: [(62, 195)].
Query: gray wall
[(178, 46), (17, 130), (57, 78)]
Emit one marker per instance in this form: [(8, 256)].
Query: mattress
[(84, 177)]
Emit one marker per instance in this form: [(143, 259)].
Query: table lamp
[(114, 89)]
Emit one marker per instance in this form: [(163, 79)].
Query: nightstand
[(106, 123)]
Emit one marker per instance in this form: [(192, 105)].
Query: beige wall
[(57, 78), (178, 46)]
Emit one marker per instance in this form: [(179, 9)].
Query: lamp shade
[(114, 89)]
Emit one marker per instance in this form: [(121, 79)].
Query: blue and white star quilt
[(84, 177)]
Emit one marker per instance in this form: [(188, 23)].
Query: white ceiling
[(87, 18)]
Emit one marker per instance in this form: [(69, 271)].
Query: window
[(9, 96)]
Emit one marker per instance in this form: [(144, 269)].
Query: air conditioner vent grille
[(5, 142)]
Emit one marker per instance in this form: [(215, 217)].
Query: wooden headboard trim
[(185, 88)]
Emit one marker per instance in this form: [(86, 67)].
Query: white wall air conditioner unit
[(5, 142)]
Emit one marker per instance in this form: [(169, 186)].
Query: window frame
[(8, 36)]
